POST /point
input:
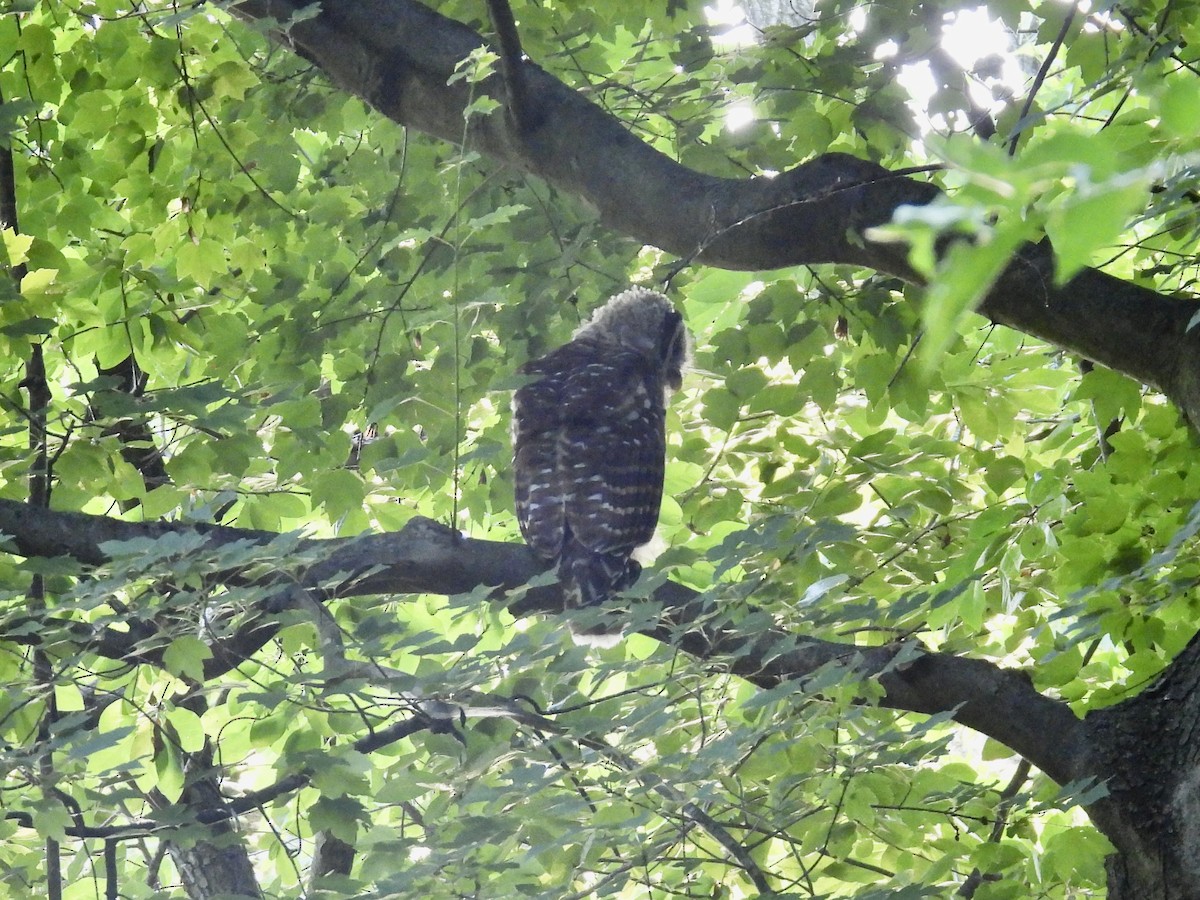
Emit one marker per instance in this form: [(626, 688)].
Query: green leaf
[(12, 114), (338, 815), (51, 820), (15, 246), (1179, 106), (187, 727), (1091, 219), (38, 281), (339, 491), (964, 277), (232, 78), (185, 657)]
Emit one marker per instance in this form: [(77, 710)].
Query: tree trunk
[(1152, 814), (216, 864)]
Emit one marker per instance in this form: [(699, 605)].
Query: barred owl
[(589, 442)]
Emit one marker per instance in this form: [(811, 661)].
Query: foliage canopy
[(233, 270)]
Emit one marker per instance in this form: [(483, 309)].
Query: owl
[(589, 442)]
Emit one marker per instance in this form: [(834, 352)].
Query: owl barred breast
[(589, 442)]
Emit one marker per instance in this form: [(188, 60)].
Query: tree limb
[(398, 55), (512, 66), (138, 445), (425, 557)]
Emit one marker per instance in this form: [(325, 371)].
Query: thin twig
[(1041, 77), (976, 878)]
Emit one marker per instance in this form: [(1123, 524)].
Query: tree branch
[(425, 557), (138, 445), (512, 66), (399, 54), (977, 877)]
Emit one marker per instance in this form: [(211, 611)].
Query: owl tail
[(590, 578)]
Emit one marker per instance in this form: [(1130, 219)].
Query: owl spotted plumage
[(589, 442)]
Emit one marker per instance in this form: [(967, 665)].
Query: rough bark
[(215, 864), (331, 856), (1152, 815), (398, 56), (212, 871)]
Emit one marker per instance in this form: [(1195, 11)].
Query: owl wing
[(539, 479), (612, 452)]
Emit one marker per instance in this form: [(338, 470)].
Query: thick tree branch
[(425, 557), (398, 56)]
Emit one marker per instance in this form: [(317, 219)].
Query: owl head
[(646, 322)]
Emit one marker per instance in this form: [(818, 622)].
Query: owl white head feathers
[(589, 443), (647, 322)]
